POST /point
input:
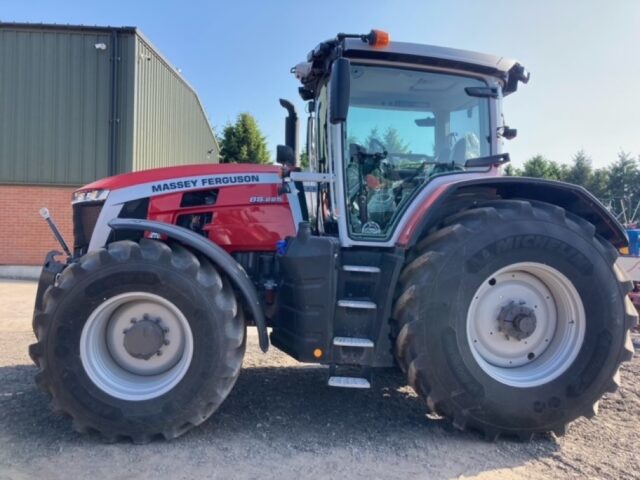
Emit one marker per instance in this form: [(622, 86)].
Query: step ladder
[(362, 379), (349, 381)]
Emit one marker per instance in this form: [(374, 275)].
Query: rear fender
[(573, 198), (218, 257)]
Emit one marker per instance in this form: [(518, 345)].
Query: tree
[(243, 142), (511, 171), (304, 160), (580, 172), (599, 185), (372, 139), (391, 141), (560, 171), (623, 190), (623, 176), (617, 186), (540, 167)]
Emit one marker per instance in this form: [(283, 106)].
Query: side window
[(386, 152), (465, 131), (326, 223)]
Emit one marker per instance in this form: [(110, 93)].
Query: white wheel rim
[(121, 375), (555, 342)]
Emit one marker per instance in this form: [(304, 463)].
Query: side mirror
[(339, 90), (285, 155), (509, 133)]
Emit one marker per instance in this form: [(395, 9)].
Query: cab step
[(352, 342), (360, 269), (359, 304), (348, 382)]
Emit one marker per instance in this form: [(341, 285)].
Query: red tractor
[(498, 297)]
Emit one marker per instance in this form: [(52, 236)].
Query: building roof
[(65, 27)]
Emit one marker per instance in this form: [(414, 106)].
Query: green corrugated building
[(79, 103)]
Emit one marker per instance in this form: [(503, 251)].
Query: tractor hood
[(177, 173)]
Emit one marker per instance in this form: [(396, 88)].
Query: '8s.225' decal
[(277, 199)]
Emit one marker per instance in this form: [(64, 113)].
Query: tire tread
[(423, 268), (181, 259)]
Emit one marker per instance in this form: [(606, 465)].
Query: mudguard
[(572, 198), (217, 255), (50, 271)]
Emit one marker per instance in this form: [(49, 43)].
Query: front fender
[(572, 198), (213, 252)]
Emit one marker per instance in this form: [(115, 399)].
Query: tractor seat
[(465, 148)]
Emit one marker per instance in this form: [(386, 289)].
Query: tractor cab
[(386, 118), (388, 124)]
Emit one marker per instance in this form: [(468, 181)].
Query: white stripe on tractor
[(294, 205)]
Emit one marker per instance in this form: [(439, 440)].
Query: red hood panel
[(167, 173)]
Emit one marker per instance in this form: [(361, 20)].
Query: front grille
[(85, 216)]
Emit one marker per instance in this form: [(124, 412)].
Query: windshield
[(403, 128)]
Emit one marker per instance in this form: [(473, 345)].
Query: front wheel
[(513, 319), (139, 341)]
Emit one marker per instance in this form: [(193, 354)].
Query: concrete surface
[(282, 422), (19, 272)]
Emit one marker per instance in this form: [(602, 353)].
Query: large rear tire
[(513, 319), (139, 341)]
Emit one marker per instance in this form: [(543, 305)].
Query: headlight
[(89, 196)]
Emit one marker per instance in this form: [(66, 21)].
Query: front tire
[(139, 341), (513, 319)]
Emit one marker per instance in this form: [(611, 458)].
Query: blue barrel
[(634, 241)]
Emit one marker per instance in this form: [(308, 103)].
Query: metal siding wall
[(170, 124), (126, 101), (54, 106)]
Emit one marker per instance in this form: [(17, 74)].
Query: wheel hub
[(525, 324), (145, 338), (517, 321), (136, 346)]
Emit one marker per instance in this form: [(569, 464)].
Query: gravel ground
[(281, 421)]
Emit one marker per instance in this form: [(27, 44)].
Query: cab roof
[(509, 71), (431, 55)]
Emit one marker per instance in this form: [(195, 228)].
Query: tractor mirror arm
[(489, 161), (312, 177)]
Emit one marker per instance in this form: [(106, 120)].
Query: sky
[(583, 56)]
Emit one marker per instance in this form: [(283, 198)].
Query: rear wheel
[(513, 319), (139, 340)]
